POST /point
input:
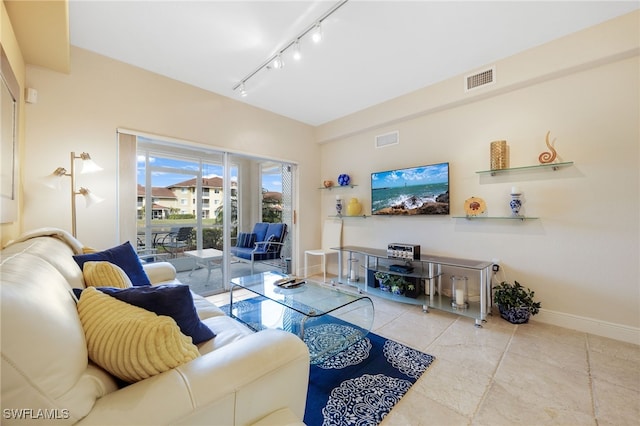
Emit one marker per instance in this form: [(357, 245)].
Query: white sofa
[(240, 378)]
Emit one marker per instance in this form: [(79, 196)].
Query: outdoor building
[(212, 196), (163, 202)]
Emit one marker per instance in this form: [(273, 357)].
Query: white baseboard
[(611, 330)]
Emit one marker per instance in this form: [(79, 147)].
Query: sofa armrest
[(159, 272), (237, 384)]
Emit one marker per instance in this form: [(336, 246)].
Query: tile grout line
[(592, 390), (493, 374)]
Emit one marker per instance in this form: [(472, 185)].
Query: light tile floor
[(504, 374)]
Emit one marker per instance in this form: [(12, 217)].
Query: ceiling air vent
[(480, 79), (388, 139)]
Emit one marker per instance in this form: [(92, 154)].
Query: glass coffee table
[(326, 318)]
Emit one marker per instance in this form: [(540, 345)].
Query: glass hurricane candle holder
[(459, 292)]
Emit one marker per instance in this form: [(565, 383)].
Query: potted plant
[(515, 302), (383, 280), (398, 284), (391, 282)]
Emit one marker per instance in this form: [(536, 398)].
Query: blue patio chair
[(264, 244)]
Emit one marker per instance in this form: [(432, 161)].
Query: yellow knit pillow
[(130, 342), (104, 274)]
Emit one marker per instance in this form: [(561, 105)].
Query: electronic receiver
[(403, 251)]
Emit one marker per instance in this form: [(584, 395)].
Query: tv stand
[(428, 268)]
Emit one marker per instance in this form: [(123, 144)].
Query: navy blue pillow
[(173, 300), (124, 256)]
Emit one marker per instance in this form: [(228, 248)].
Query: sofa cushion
[(260, 229), (130, 342), (246, 240), (105, 274), (124, 256), (228, 331), (174, 301)]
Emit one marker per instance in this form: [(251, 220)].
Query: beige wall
[(82, 110), (581, 257)]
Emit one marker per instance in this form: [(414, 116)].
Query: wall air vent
[(480, 79), (388, 139)]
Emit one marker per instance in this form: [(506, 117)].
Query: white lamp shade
[(90, 198), (54, 180), (89, 166)]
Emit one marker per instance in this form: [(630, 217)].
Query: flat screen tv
[(422, 190)]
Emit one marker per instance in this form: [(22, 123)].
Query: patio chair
[(177, 240), (331, 238), (264, 244)]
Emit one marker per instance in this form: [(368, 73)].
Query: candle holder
[(354, 276), (459, 292)]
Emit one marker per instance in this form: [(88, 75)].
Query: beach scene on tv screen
[(411, 191)]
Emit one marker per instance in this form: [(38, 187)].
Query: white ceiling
[(372, 51)]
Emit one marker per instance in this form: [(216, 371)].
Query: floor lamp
[(55, 178)]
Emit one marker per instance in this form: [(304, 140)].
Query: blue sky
[(164, 179)]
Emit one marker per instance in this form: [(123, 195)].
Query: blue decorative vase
[(515, 204), (515, 315), (338, 206), (344, 180)]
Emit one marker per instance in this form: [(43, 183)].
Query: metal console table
[(428, 268)]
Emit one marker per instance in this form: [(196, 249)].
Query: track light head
[(316, 35), (296, 51), (277, 62)]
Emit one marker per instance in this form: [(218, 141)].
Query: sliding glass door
[(191, 202)]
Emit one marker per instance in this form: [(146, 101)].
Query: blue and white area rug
[(360, 385)]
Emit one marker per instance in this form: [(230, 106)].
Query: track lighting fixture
[(276, 62)]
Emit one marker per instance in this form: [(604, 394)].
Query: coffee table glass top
[(311, 299), (327, 318)]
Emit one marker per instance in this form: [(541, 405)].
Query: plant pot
[(515, 315), (411, 293), (385, 287), (397, 291)]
